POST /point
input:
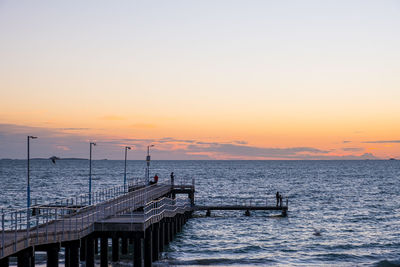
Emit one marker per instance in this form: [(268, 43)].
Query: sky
[(201, 79)]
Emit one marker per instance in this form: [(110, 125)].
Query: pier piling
[(148, 247), (115, 249), (104, 252), (124, 245), (156, 239), (89, 252), (5, 262), (137, 251)]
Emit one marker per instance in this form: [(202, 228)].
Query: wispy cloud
[(382, 142), (73, 129), (353, 149), (346, 141), (74, 143)]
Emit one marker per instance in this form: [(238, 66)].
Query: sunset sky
[(201, 79)]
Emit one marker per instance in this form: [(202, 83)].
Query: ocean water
[(355, 205)]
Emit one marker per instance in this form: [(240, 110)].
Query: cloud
[(73, 129), (56, 141), (232, 150), (239, 142), (382, 142), (346, 141), (353, 149), (64, 148)]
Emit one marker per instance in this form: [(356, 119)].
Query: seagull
[(53, 159)]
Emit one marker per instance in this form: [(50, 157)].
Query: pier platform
[(148, 217)]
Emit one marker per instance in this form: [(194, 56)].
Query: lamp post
[(28, 187), (126, 152), (148, 163), (90, 173)]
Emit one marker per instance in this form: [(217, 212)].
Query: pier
[(145, 216)]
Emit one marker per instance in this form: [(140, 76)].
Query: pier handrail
[(66, 222), (156, 210), (243, 201)]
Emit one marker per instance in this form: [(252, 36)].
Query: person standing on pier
[(172, 178), (277, 198), (155, 179)]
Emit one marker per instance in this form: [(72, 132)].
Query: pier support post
[(74, 254), (115, 249), (171, 230), (148, 248), (82, 253), (96, 246), (52, 256), (67, 256), (284, 212), (191, 196), (176, 219), (161, 236), (180, 222), (89, 252), (104, 252), (247, 213), (166, 232), (5, 262), (71, 254), (124, 245), (208, 213), (156, 239), (25, 258), (137, 251)]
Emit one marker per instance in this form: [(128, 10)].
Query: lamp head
[(32, 137), (128, 147)]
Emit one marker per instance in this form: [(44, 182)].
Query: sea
[(341, 213)]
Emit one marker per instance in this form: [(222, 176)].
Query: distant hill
[(47, 159)]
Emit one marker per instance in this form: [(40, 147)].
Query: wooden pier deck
[(146, 216)]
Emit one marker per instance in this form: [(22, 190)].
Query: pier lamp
[(90, 173), (126, 152), (28, 187), (148, 163)]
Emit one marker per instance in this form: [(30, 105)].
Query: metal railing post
[(55, 224), (2, 234), (15, 234), (37, 227), (47, 224)]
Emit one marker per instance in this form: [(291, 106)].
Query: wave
[(387, 263)]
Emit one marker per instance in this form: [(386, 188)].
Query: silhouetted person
[(280, 200), (172, 178), (277, 198)]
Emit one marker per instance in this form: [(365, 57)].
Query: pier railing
[(156, 210), (68, 220), (242, 201)]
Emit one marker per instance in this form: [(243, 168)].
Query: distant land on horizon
[(5, 159)]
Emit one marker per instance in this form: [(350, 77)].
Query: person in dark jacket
[(277, 198)]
